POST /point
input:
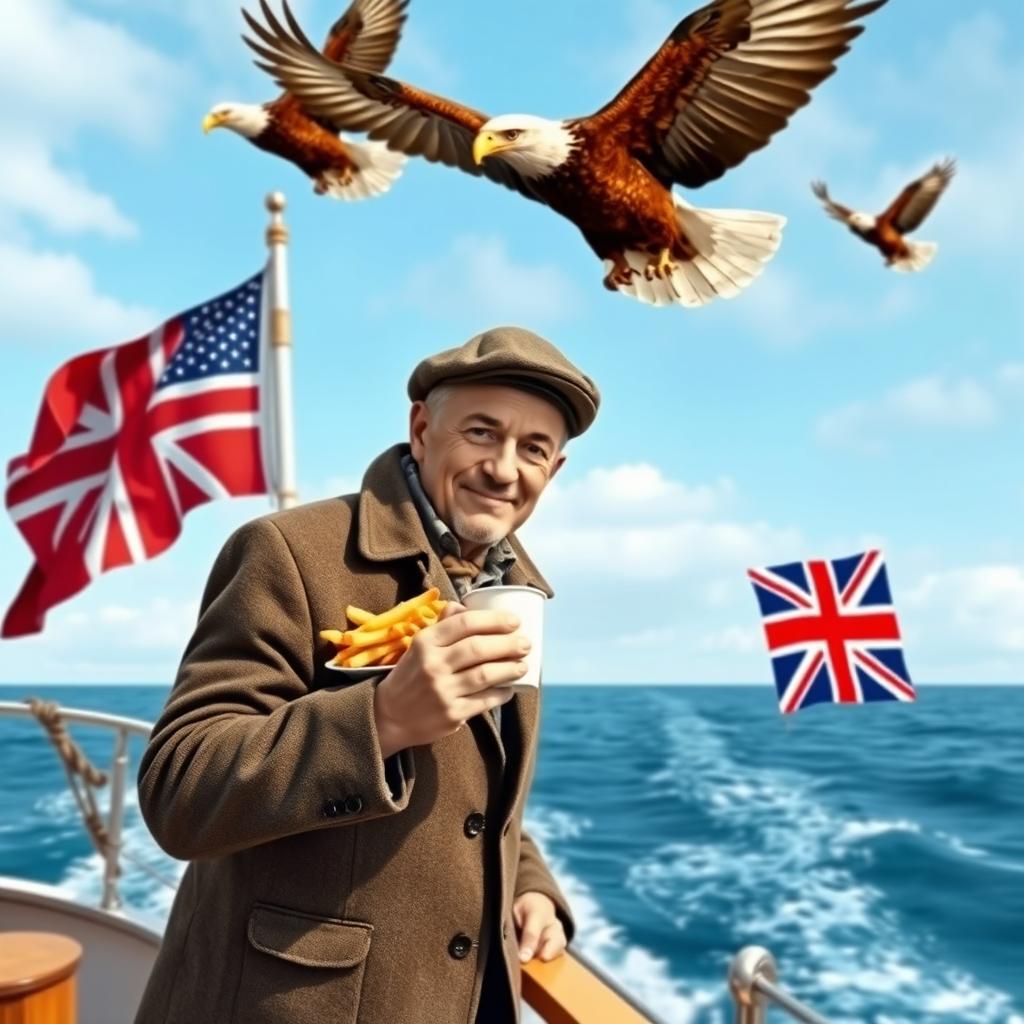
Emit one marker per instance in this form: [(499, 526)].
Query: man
[(357, 851)]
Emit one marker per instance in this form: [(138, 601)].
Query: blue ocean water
[(878, 851)]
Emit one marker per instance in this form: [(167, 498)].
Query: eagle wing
[(916, 201), (409, 120), (836, 210), (728, 78), (367, 34)]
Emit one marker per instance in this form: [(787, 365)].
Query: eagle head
[(534, 146), (862, 222), (247, 119)]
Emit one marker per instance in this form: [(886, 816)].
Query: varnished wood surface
[(35, 960), (563, 991)]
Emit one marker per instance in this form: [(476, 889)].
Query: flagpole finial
[(277, 233)]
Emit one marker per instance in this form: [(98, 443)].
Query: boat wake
[(782, 869)]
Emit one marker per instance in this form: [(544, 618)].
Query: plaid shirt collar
[(499, 558)]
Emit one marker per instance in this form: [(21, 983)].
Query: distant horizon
[(750, 685)]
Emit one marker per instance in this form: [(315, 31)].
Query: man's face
[(485, 453)]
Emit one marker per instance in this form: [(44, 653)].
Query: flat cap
[(517, 358)]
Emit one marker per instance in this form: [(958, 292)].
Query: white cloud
[(967, 624), (1011, 375), (867, 426), (65, 74), (619, 493), (63, 71), (160, 625), (632, 522), (647, 568), (477, 273), (105, 642), (47, 293), (31, 184)]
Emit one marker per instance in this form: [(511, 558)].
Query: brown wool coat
[(324, 887)]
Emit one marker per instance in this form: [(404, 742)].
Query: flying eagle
[(726, 80), (885, 232), (365, 36)]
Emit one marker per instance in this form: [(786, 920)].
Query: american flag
[(130, 438), (832, 632)]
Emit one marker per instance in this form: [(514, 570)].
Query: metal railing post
[(747, 966), (112, 869), (753, 981)]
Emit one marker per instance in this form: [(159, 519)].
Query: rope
[(82, 775), (83, 779)]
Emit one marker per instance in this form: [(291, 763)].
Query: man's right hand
[(458, 668)]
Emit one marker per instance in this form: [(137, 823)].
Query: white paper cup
[(527, 604)]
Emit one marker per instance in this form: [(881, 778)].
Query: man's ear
[(559, 463), (419, 420)]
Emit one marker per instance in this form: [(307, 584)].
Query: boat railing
[(122, 727), (753, 978), (569, 990)]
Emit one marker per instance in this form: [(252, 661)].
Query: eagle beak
[(212, 121), (484, 145)]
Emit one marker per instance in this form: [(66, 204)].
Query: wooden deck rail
[(567, 991)]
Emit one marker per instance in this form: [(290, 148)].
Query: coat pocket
[(301, 967)]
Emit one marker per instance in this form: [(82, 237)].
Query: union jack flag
[(132, 437), (832, 632)]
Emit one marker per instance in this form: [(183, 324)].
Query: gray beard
[(476, 534)]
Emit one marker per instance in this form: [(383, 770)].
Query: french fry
[(424, 617), (356, 657), (363, 637), (357, 615), (383, 638), (401, 611)]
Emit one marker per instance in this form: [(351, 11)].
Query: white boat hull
[(118, 950)]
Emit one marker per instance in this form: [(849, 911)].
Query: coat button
[(353, 804), (330, 809), (474, 825), (460, 946)]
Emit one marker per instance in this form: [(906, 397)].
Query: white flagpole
[(281, 352)]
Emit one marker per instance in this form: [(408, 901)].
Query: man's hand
[(539, 929), (459, 667)]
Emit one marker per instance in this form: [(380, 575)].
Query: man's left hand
[(540, 931)]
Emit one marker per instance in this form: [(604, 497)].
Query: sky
[(831, 406)]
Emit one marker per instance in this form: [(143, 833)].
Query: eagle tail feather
[(732, 248), (376, 165), (920, 255)]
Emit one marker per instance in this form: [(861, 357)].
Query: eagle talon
[(620, 275), (662, 267)]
